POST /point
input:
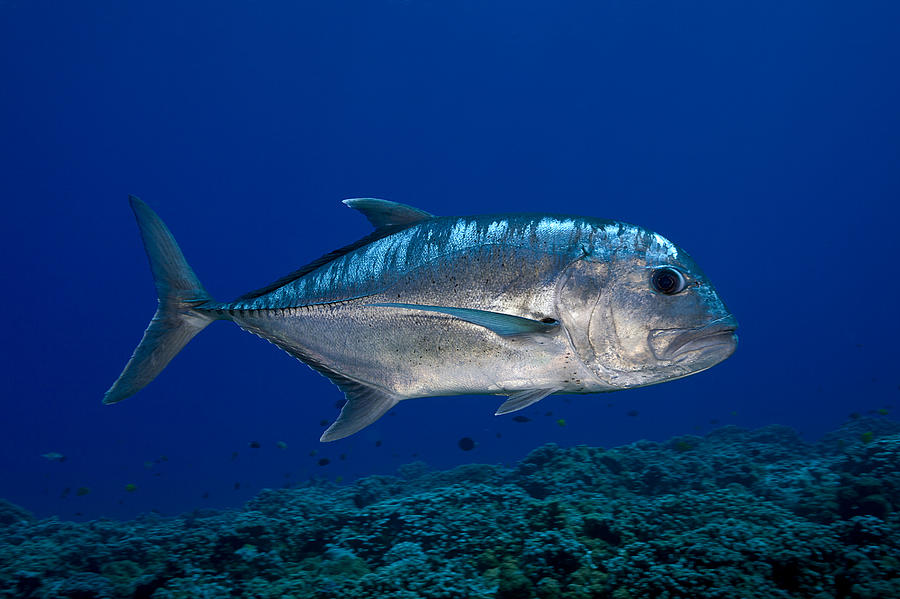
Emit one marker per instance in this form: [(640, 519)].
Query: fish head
[(641, 312)]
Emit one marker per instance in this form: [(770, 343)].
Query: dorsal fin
[(385, 213), (387, 217)]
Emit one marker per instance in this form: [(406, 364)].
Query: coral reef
[(736, 513)]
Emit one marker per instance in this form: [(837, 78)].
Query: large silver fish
[(523, 305)]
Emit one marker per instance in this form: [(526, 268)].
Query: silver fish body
[(522, 305)]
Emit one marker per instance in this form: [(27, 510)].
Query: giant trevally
[(523, 305)]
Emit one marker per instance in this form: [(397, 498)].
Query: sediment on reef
[(736, 513)]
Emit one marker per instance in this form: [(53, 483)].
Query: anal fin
[(523, 399), (365, 405)]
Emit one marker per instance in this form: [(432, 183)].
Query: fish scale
[(376, 266)]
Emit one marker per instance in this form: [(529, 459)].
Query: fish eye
[(667, 281)]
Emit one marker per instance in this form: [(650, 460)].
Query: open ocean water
[(761, 137)]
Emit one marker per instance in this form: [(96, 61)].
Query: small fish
[(466, 444), (54, 456), (281, 445), (523, 305)]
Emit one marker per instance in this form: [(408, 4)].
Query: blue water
[(762, 137)]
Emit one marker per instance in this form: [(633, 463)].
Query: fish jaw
[(707, 345)]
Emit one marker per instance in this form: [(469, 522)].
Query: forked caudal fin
[(176, 321)]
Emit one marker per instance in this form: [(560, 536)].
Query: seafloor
[(736, 513)]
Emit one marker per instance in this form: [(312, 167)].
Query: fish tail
[(178, 317)]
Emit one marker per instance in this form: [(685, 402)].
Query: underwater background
[(763, 138)]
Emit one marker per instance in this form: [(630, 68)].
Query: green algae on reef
[(736, 513)]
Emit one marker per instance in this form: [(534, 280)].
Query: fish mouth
[(717, 337)]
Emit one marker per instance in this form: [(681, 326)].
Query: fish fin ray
[(365, 403), (502, 324), (523, 399), (385, 213), (176, 321)]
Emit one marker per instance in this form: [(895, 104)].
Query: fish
[(466, 444), (519, 305)]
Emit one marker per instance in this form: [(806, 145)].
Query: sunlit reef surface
[(736, 513)]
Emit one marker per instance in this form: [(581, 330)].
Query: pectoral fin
[(523, 399), (502, 324)]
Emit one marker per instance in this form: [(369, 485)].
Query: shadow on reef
[(733, 514)]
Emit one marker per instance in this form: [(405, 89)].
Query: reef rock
[(736, 513)]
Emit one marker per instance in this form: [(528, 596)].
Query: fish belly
[(414, 353)]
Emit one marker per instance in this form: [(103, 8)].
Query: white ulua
[(523, 305)]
